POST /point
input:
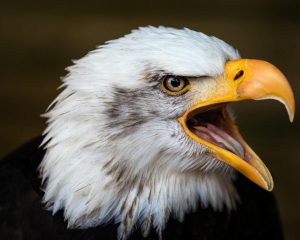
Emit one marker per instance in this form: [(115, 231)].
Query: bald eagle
[(141, 144)]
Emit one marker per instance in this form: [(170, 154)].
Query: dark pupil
[(175, 82)]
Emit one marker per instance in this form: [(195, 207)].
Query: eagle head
[(142, 130)]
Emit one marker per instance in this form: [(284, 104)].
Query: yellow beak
[(244, 79)]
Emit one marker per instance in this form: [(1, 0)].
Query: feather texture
[(114, 148)]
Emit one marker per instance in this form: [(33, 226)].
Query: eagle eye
[(174, 85)]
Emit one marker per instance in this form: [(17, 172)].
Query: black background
[(38, 39)]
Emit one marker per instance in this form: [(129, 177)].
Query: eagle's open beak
[(208, 122)]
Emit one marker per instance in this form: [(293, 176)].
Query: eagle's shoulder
[(23, 216), (19, 189)]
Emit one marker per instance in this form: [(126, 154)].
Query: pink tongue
[(220, 138)]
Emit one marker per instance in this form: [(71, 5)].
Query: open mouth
[(215, 126), (212, 126), (208, 123)]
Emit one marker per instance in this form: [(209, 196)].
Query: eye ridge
[(174, 84)]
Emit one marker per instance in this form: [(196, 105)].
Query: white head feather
[(115, 151)]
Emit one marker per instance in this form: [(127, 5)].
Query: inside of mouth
[(212, 125)]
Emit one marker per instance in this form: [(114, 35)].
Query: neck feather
[(91, 195)]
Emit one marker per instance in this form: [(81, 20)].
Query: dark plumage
[(22, 216)]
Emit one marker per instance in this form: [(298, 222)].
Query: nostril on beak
[(238, 75)]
